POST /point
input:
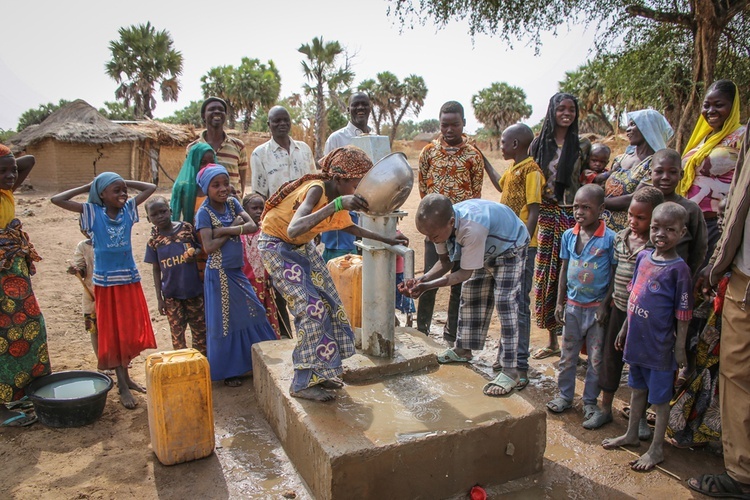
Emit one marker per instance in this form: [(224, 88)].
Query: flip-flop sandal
[(597, 420), (450, 356), (522, 383), (725, 486), (504, 382), (20, 420), (21, 404), (559, 405), (589, 411), (545, 352)]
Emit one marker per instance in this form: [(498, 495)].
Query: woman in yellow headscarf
[(23, 337), (711, 154)]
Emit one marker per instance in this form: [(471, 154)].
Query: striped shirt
[(625, 261), (231, 155)]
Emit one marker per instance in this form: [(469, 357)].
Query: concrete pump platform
[(401, 428)]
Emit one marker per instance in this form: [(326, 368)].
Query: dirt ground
[(112, 457)]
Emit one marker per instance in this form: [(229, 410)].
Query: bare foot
[(136, 387), (647, 461), (314, 393), (232, 382), (333, 383), (126, 398), (624, 440)]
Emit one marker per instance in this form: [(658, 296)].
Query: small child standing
[(83, 268), (521, 188), (666, 172), (598, 160), (661, 295), (235, 319), (123, 320), (403, 303), (253, 264), (585, 289), (172, 250), (629, 243)]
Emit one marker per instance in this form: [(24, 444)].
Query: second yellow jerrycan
[(346, 272), (180, 409)]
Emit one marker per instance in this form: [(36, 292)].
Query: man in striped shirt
[(230, 151)]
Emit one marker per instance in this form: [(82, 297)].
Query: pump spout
[(408, 255)]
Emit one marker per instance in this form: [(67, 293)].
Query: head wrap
[(701, 130), (209, 101), (348, 162), (653, 126), (5, 150), (207, 173), (100, 183), (544, 147), (185, 187)]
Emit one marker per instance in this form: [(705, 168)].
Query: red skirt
[(124, 324)]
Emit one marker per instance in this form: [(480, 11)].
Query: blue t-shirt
[(229, 256), (660, 294), (589, 272), (113, 254), (179, 277), (483, 229)]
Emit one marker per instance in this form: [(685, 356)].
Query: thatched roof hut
[(78, 122), (165, 134)]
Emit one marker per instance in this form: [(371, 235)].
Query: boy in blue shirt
[(659, 309), (584, 292), (179, 290), (490, 242)]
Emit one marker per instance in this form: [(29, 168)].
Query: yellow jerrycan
[(180, 409), (346, 272)]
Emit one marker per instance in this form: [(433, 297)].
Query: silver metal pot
[(387, 185)]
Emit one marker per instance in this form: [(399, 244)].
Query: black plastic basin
[(64, 410)]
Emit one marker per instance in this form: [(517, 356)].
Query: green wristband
[(338, 204)]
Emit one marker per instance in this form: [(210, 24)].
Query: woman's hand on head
[(354, 202)]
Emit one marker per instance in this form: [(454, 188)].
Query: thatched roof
[(77, 122), (164, 133)]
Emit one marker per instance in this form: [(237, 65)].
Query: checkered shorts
[(498, 283)]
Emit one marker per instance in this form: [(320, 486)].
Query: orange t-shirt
[(277, 220)]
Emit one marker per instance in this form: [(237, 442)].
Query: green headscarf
[(185, 187)]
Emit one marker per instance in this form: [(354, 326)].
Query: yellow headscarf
[(7, 201), (701, 130)]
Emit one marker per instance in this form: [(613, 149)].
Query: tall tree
[(705, 23), (327, 74), (189, 115), (142, 58), (499, 106), (253, 85), (587, 82), (394, 99), (116, 111)]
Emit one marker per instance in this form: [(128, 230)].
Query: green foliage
[(189, 115), (499, 106), (5, 135), (35, 116), (335, 119), (116, 111), (246, 88), (431, 125), (393, 99), (142, 58), (260, 121), (328, 69)]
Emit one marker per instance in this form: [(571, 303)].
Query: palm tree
[(393, 99), (141, 58), (499, 106), (326, 78), (254, 84)]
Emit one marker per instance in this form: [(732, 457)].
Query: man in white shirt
[(281, 159), (359, 113)]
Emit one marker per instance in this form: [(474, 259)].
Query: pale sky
[(52, 50)]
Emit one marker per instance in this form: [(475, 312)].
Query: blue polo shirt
[(483, 229), (589, 272)]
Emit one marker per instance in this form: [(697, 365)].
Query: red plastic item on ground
[(478, 493)]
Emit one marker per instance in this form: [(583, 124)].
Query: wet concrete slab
[(419, 431)]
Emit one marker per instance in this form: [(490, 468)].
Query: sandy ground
[(112, 458)]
